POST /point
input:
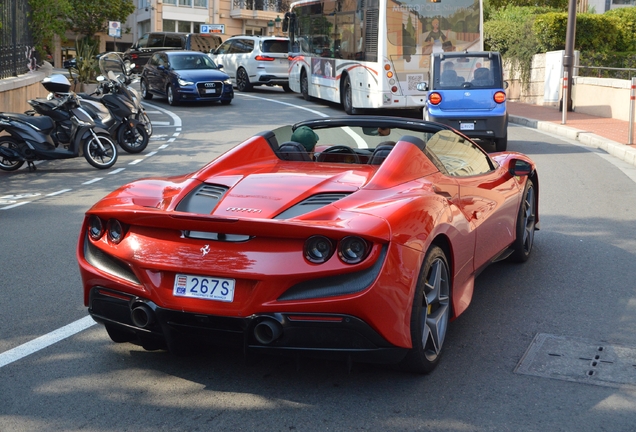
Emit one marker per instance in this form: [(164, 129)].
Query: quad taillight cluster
[(435, 98), (390, 76), (351, 249), (114, 229)]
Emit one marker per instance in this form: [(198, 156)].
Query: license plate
[(204, 287), (467, 126), (211, 90)]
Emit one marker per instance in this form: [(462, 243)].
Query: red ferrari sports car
[(363, 247)]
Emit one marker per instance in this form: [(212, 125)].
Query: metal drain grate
[(579, 360)]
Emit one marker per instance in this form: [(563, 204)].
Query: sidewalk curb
[(618, 150)]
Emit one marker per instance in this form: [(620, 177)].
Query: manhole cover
[(579, 360)]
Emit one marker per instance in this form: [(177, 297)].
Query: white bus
[(373, 53)]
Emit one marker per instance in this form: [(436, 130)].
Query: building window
[(201, 3), (185, 3), (169, 25), (170, 2), (184, 26)]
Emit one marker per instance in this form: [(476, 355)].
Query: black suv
[(149, 43)]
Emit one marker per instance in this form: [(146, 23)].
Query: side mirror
[(506, 84), (422, 86), (519, 168), (219, 66)]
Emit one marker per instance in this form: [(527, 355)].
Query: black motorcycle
[(29, 138)]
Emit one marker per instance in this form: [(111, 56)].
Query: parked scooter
[(123, 102), (29, 138)]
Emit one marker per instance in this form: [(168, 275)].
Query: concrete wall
[(15, 92), (602, 97)]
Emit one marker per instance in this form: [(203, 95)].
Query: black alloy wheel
[(430, 313)]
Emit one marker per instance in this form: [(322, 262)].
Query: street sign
[(114, 29), (213, 28)]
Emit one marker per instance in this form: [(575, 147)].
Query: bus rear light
[(389, 74), (264, 58), (499, 97), (435, 98), (394, 89), (387, 67)]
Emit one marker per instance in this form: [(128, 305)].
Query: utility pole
[(568, 57)]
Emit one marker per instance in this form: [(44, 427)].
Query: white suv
[(254, 61)]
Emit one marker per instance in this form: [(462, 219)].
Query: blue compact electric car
[(467, 92)]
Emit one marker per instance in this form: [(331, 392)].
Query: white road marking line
[(93, 181), (163, 146), (44, 341), (151, 154), (160, 123), (176, 134), (135, 162), (171, 140), (118, 170), (175, 118), (14, 205), (58, 192), (285, 103)]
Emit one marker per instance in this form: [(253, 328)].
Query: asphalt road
[(579, 283)]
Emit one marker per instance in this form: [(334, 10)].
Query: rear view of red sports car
[(363, 245)]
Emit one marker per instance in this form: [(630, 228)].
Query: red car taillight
[(264, 58), (435, 98), (499, 97)]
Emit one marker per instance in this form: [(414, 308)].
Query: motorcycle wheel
[(101, 154), (133, 139), (143, 118), (6, 164)]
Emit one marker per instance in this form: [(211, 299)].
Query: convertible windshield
[(371, 143)]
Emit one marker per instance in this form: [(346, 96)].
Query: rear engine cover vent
[(310, 204), (203, 199)]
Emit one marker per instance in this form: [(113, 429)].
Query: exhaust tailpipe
[(267, 331), (142, 316)]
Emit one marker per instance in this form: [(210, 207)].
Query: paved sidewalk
[(607, 134)]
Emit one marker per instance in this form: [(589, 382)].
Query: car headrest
[(293, 151), (381, 152)]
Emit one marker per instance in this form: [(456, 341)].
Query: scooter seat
[(43, 123)]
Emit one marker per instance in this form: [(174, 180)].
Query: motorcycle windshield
[(112, 62)]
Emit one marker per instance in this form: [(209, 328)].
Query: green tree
[(556, 4), (89, 17), (47, 19)]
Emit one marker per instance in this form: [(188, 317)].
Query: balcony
[(258, 9)]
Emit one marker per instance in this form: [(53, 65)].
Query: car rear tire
[(6, 164), (243, 81), (347, 102), (501, 144), (526, 220), (226, 101), (144, 90), (430, 314), (172, 100), (304, 86)]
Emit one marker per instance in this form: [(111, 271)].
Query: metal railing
[(261, 5), (17, 55), (606, 72)]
